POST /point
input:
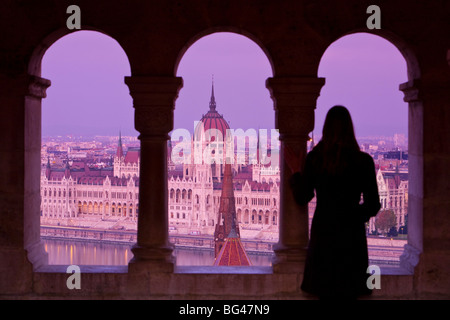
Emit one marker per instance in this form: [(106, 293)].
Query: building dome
[(211, 120)]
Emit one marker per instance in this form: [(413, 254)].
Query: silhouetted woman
[(339, 173)]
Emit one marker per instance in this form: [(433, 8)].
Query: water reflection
[(87, 253), (67, 252)]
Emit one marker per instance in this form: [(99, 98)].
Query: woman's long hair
[(338, 144)]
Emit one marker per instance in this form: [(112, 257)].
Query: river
[(85, 252), (68, 252)]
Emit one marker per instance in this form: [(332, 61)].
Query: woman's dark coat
[(337, 256)]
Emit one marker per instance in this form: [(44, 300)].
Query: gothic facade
[(84, 197), (109, 197), (393, 191)]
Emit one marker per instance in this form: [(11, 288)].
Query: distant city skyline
[(88, 95)]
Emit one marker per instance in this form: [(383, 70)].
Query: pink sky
[(88, 94)]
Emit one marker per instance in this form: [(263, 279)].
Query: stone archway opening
[(365, 73), (86, 107), (224, 77)]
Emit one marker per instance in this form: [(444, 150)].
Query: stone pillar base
[(409, 258), (288, 260), (157, 260), (16, 276), (37, 255)]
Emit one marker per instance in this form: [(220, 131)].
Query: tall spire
[(119, 152), (257, 149), (212, 102), (67, 169), (227, 210), (48, 168), (397, 175), (229, 250)]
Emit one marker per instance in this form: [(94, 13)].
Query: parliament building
[(81, 195)]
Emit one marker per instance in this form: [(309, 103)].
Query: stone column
[(410, 257), (32, 137), (153, 100), (294, 101)]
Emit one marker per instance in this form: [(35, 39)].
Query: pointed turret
[(212, 101), (67, 170), (48, 169), (397, 179), (119, 153), (258, 161)]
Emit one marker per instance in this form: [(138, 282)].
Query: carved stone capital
[(288, 92), (295, 123), (37, 87), (154, 101), (153, 121), (294, 102), (411, 90), (154, 91)]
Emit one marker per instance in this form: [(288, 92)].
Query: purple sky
[(88, 94)]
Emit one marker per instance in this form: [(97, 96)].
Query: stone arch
[(35, 62), (254, 216), (246, 216), (231, 37), (412, 96), (32, 107), (130, 211), (124, 209), (267, 217), (412, 63), (229, 29), (260, 217)]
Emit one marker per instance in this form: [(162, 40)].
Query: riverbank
[(382, 251), (128, 237)]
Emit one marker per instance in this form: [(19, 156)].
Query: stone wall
[(154, 34)]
